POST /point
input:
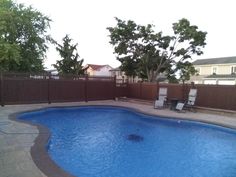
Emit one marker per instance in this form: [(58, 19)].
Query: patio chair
[(189, 104), (162, 98)]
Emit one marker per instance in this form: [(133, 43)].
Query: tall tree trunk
[(148, 75), (152, 76)]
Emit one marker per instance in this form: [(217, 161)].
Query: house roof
[(96, 67), (221, 60), (115, 69), (221, 76)]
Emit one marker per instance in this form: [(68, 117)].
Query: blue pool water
[(117, 142)]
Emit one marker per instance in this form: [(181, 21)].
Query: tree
[(154, 53), (23, 37), (129, 66), (69, 63), (186, 69)]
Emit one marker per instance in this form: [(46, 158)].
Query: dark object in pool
[(135, 138)]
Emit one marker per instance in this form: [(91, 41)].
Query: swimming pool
[(103, 141)]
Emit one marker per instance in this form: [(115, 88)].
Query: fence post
[(49, 99), (1, 89), (114, 88), (140, 90), (157, 90), (86, 88), (183, 91), (185, 87)]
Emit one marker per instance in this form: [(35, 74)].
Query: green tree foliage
[(186, 69), (23, 37), (153, 53), (69, 63)]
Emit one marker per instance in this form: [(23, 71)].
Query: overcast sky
[(86, 22)]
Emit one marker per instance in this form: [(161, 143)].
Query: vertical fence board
[(100, 90), (215, 96), (121, 90), (148, 91), (133, 90), (212, 96), (25, 91), (67, 90), (28, 88)]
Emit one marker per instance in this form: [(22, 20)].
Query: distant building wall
[(222, 75), (90, 71), (121, 77), (204, 70), (104, 71), (225, 69), (220, 69)]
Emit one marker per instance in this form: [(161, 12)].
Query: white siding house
[(98, 70), (221, 71)]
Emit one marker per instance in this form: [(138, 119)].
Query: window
[(233, 70)]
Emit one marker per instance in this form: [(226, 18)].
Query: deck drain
[(135, 138)]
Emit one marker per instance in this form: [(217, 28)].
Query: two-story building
[(221, 71)]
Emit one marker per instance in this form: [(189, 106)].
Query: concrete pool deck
[(16, 138)]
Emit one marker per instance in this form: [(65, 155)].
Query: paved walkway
[(17, 138)]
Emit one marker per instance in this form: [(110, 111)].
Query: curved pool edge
[(38, 151), (40, 155)]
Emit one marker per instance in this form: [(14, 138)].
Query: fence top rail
[(46, 75), (215, 86)]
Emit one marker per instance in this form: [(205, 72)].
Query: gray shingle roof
[(221, 60)]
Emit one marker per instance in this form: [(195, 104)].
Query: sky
[(86, 21)]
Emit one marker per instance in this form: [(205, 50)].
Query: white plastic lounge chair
[(161, 98), (190, 102)]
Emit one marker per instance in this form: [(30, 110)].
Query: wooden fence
[(212, 96), (43, 88), (149, 91), (216, 96)]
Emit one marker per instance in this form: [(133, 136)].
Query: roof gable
[(97, 67), (222, 60)]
